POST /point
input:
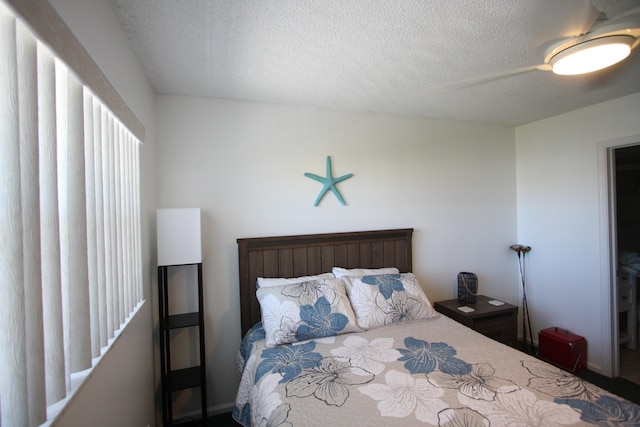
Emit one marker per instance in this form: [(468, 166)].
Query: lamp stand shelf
[(176, 380)]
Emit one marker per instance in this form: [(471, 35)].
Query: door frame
[(609, 251), (614, 364)]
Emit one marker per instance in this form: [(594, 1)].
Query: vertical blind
[(70, 267)]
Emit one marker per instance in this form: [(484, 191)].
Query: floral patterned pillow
[(340, 272), (305, 310), (385, 299), (263, 282)]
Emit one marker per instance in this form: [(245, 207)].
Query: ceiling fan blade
[(553, 20), (628, 19), (452, 87), (630, 16)]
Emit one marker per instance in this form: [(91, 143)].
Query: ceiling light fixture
[(593, 51), (592, 55)]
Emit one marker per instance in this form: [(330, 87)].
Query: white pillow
[(263, 282), (355, 272), (379, 300), (305, 310)]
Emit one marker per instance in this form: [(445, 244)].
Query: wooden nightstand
[(499, 323)]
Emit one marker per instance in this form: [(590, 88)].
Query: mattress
[(424, 372)]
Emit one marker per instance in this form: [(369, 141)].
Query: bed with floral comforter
[(431, 371)]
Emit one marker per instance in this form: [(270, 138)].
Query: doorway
[(626, 161)]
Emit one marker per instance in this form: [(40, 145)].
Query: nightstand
[(497, 322)]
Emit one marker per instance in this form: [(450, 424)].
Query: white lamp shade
[(179, 236)]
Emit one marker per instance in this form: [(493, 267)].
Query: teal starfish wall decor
[(329, 183)]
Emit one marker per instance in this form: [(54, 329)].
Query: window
[(70, 272)]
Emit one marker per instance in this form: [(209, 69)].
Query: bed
[(337, 331)]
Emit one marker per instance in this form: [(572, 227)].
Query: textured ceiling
[(409, 57)]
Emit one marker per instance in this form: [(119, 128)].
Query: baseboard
[(211, 411), (220, 409)]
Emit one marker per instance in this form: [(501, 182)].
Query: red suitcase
[(563, 349)]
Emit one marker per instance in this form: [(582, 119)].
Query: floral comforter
[(425, 372)]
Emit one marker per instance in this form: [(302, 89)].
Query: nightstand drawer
[(499, 327)]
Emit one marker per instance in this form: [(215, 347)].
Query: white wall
[(120, 391), (244, 165), (562, 215)]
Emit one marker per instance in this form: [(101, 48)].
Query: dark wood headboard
[(310, 254)]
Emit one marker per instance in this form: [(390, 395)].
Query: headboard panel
[(310, 254)]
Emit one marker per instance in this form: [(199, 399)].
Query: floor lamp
[(526, 320), (179, 245)]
